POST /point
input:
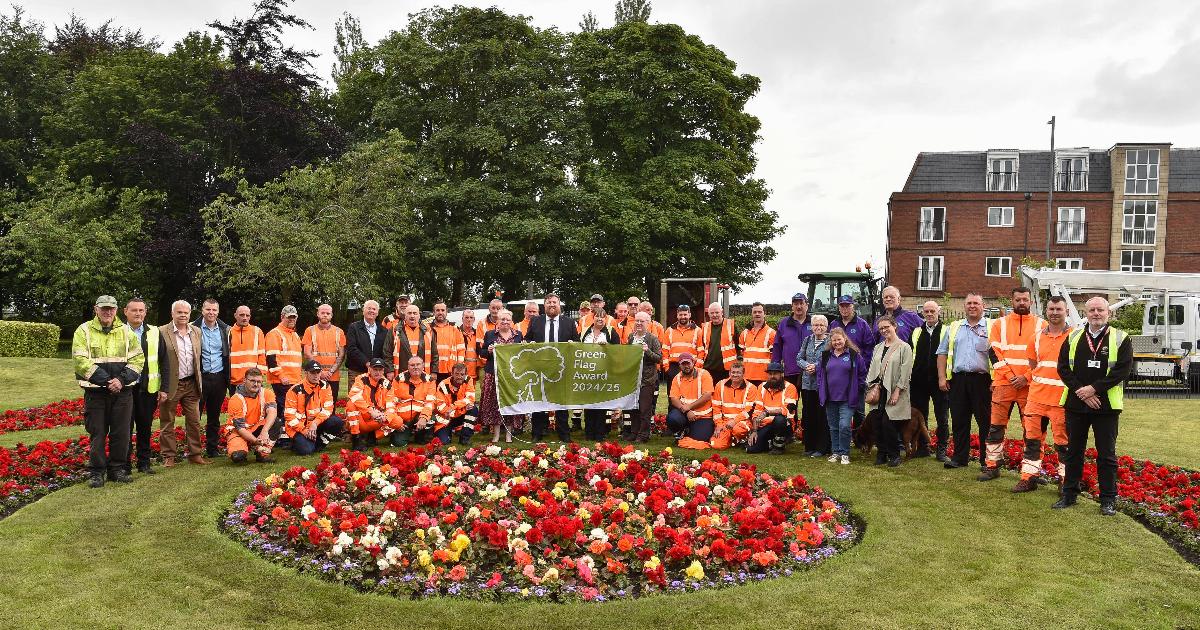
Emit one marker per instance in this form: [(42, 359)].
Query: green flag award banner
[(547, 376)]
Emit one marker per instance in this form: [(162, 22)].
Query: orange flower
[(522, 558), (458, 573), (625, 543), (279, 513), (597, 547)]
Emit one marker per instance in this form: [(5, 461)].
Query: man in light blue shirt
[(214, 368), (964, 370)]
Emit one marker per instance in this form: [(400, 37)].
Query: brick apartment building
[(964, 220)]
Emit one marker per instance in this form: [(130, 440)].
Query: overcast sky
[(852, 91)]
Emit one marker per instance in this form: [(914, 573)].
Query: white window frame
[(1074, 184), (1129, 260), (1069, 263), (1141, 167), (930, 236), (1011, 214), (1062, 232), (997, 179), (927, 262), (1147, 234), (1005, 263)]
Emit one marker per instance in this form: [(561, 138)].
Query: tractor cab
[(824, 289)]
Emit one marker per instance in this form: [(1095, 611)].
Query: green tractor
[(824, 288)]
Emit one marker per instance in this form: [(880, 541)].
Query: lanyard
[(1094, 346)]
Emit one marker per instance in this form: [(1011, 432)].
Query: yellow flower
[(420, 533), (584, 514), (325, 524), (668, 450), (624, 506), (551, 575), (652, 563), (276, 491), (272, 479), (460, 542), (423, 558), (690, 483), (621, 466), (695, 571), (523, 500), (358, 474), (558, 493)]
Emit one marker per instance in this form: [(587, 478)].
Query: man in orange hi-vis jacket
[(371, 406), (416, 401), (308, 412), (1010, 338), (456, 410), (735, 402), (252, 411), (1045, 396)]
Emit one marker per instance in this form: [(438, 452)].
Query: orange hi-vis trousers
[(1036, 416), (1003, 399)]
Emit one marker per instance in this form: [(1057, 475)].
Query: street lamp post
[(1050, 196)]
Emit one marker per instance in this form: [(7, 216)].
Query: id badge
[(1093, 363)]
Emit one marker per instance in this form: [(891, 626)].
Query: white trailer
[(1167, 352)]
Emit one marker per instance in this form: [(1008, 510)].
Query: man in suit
[(367, 339), (181, 384), (214, 366), (145, 393), (549, 328)]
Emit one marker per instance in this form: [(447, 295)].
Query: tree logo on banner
[(533, 368)]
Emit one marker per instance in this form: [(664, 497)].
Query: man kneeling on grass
[(308, 412), (252, 412)]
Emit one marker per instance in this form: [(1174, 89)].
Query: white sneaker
[(845, 459), (833, 459)]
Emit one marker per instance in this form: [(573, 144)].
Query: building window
[(1000, 217), (1069, 263), (1140, 223), (929, 273), (1137, 260), (1141, 172), (933, 224), (1071, 227), (998, 266), (1072, 173), (1002, 174)]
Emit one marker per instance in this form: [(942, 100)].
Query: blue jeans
[(331, 428), (838, 415)]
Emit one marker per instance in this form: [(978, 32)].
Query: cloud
[(1165, 95)]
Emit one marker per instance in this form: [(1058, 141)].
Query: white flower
[(434, 470), (719, 491), (344, 539), (307, 510), (336, 550), (634, 455), (473, 512), (492, 451), (599, 534), (387, 490), (543, 463), (700, 481), (523, 528), (306, 475), (517, 461), (382, 563), (594, 480), (677, 503), (394, 555), (388, 516)]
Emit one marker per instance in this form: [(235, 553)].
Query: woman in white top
[(595, 421)]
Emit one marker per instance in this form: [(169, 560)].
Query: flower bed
[(56, 414), (28, 473), (558, 525)]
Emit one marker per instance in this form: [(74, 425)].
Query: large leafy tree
[(485, 99), (31, 83), (669, 139)]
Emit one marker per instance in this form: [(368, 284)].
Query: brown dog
[(911, 432)]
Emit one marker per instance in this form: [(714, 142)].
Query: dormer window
[(1072, 173), (1002, 172)]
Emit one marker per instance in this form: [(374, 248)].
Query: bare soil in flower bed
[(560, 525)]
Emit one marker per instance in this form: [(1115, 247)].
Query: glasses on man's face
[(257, 382)]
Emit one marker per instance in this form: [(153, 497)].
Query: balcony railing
[(1071, 232), (1072, 181), (932, 231), (1002, 181)]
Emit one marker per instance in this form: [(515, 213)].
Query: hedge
[(743, 321), (28, 339)]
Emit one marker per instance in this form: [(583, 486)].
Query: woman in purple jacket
[(841, 380)]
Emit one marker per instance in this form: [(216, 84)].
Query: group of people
[(756, 388)]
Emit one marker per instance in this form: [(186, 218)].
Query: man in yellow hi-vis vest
[(145, 393), (108, 364), (1093, 364)]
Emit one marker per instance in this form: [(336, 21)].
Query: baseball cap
[(845, 299), (106, 301), (774, 366), (289, 311), (799, 297), (596, 297), (376, 363), (404, 296), (312, 366), (687, 356)]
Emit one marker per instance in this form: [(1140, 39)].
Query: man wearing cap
[(145, 393), (181, 385), (789, 336), (597, 310), (772, 424), (857, 329), (108, 364), (214, 370), (691, 392), (906, 321), (718, 343), (366, 339), (641, 418), (284, 357), (252, 411), (371, 406), (397, 317), (308, 412), (682, 338)]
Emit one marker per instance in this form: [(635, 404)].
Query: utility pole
[(1050, 196)]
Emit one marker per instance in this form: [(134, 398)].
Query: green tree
[(486, 101), (632, 11), (327, 232), (70, 243), (669, 159), (30, 86)]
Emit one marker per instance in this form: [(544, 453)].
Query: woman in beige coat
[(891, 368)]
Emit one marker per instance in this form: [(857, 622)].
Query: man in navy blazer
[(553, 326)]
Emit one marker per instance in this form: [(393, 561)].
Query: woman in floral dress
[(489, 408)]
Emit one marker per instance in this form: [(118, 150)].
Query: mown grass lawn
[(28, 382), (940, 550)]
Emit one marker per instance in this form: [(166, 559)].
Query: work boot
[(1108, 507), (1064, 502), (263, 459), (941, 454), (97, 480), (358, 443), (146, 470), (1026, 484), (893, 461), (122, 477), (989, 473)]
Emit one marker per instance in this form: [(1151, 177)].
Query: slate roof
[(1185, 170), (966, 171)]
